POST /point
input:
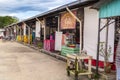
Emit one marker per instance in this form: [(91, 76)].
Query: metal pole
[(106, 44), (97, 60)]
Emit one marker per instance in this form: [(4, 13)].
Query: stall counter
[(69, 50)]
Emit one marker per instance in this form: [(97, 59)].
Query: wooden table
[(75, 70)]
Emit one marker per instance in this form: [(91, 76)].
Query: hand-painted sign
[(68, 21)]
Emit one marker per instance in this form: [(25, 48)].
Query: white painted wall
[(2, 32), (90, 31), (91, 18)]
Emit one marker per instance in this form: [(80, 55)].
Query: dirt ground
[(19, 62)]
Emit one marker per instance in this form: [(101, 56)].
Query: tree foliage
[(7, 20)]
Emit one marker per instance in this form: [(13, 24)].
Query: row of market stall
[(89, 25)]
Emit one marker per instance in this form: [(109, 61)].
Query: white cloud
[(27, 8)]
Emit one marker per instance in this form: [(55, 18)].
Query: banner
[(58, 40), (67, 21)]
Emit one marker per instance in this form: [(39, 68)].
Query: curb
[(55, 55), (60, 57)]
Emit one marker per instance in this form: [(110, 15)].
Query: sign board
[(67, 21), (58, 41), (118, 60), (37, 29)]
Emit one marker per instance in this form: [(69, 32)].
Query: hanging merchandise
[(67, 21)]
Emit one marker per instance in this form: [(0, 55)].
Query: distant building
[(1, 33)]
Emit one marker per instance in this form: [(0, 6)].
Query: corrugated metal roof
[(100, 3), (111, 9), (71, 5)]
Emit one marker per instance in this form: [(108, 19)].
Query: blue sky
[(27, 8)]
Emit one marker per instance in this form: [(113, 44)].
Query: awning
[(110, 9)]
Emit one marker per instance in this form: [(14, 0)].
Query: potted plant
[(106, 55), (40, 44)]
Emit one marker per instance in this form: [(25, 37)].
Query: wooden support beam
[(39, 21), (80, 24), (29, 36)]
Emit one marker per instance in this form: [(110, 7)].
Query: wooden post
[(106, 44), (89, 64), (44, 29), (98, 43)]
